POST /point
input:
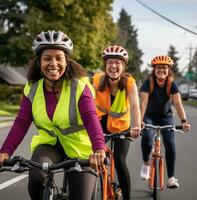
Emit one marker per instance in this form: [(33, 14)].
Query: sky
[(155, 34)]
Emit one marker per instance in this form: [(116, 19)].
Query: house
[(11, 84)]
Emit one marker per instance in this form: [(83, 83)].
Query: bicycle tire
[(98, 190), (46, 194), (155, 188), (119, 194)]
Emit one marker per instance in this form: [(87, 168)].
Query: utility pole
[(193, 64)]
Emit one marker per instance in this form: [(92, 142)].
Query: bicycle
[(156, 179), (51, 191), (107, 185)]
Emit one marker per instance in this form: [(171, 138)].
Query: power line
[(169, 20)]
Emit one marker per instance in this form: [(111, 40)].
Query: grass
[(191, 102), (8, 109)]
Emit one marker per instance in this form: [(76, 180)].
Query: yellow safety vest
[(66, 123), (119, 112)]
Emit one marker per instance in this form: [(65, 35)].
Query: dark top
[(159, 104)]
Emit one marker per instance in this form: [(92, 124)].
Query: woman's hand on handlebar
[(97, 159), (186, 126), (3, 156), (135, 132)]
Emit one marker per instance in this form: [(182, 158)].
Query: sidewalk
[(6, 121)]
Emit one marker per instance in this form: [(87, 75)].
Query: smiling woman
[(156, 95), (119, 90), (58, 98)]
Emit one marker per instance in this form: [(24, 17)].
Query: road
[(185, 167)]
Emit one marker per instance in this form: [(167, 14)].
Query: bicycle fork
[(161, 173), (109, 181), (157, 163)]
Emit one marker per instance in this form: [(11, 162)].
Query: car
[(193, 93), (184, 90)]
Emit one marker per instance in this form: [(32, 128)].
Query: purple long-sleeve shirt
[(25, 118)]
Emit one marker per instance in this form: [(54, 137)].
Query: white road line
[(12, 181)]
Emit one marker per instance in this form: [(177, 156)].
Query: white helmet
[(115, 51), (50, 40)]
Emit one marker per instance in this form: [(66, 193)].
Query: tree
[(194, 66), (86, 22), (172, 53), (127, 37)]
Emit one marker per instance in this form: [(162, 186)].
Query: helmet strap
[(112, 79)]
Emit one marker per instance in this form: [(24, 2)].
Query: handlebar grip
[(106, 161), (9, 162), (86, 163), (179, 127)]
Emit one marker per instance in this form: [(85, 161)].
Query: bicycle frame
[(109, 178), (110, 186), (157, 159), (157, 156)]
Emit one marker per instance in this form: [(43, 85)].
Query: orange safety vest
[(119, 112)]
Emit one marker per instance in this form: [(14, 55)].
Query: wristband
[(183, 121)]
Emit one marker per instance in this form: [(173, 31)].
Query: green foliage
[(127, 37), (8, 109), (10, 94), (172, 53), (87, 22)]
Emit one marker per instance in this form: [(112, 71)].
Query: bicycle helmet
[(52, 39), (115, 51), (166, 60)]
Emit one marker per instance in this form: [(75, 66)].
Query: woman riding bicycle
[(156, 94), (58, 98), (116, 95)]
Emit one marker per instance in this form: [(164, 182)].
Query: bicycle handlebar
[(122, 135), (25, 164), (177, 128)]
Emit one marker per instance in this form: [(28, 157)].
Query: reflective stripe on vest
[(118, 113), (118, 108)]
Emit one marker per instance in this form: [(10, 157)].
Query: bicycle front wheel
[(47, 194), (155, 188), (98, 190), (119, 194)]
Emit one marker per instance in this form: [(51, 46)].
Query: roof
[(11, 76)]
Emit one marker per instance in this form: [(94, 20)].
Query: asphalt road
[(185, 167)]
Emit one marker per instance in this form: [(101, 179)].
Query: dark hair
[(73, 70), (169, 80), (122, 84)]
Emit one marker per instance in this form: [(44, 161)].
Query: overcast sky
[(155, 34)]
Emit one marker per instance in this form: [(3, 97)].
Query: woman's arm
[(90, 120), (180, 110), (135, 110), (143, 103), (179, 106), (87, 110), (19, 128)]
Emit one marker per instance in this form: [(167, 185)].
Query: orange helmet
[(166, 60), (115, 51)]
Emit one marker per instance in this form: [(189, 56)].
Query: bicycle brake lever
[(17, 168), (77, 167)]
